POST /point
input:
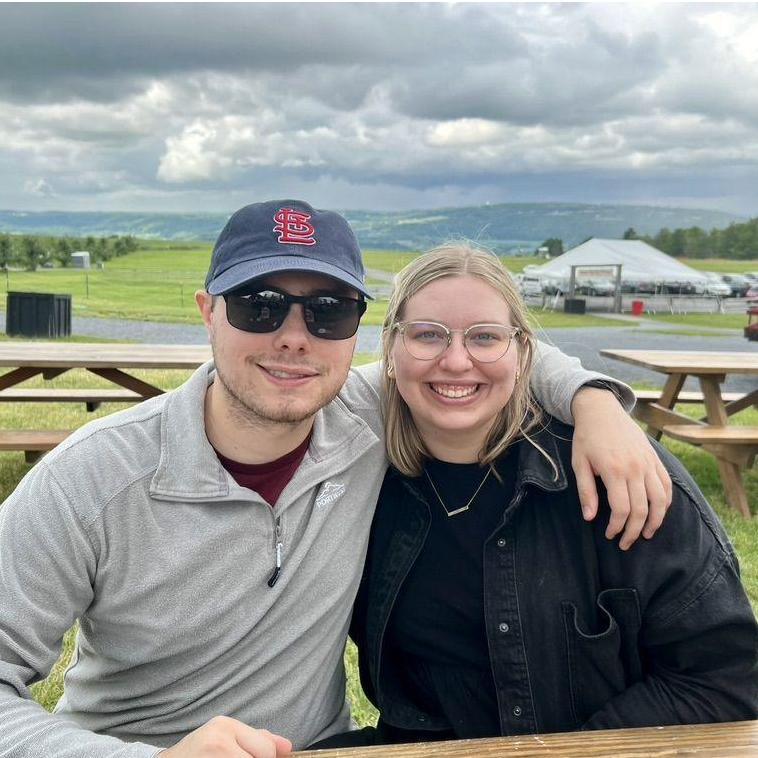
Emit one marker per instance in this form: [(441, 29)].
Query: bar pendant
[(457, 511)]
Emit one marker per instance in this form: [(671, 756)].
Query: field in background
[(721, 265), (720, 320), (158, 283)]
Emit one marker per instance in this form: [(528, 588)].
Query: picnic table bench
[(92, 398), (685, 396), (33, 442)]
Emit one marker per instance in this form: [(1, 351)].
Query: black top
[(437, 626)]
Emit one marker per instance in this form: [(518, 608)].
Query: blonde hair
[(405, 446)]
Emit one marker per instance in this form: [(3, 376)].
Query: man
[(210, 541)]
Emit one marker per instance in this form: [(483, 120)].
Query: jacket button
[(517, 711), (501, 542), (503, 627)]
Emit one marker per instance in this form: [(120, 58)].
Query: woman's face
[(454, 396)]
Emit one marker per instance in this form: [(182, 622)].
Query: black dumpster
[(37, 314), (574, 305)]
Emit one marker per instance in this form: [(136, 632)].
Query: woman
[(488, 605)]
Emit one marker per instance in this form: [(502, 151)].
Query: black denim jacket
[(581, 635)]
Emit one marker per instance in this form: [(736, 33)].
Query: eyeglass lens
[(484, 342), (330, 317)]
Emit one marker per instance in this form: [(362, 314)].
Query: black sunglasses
[(330, 317)]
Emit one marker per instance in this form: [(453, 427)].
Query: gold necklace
[(471, 499)]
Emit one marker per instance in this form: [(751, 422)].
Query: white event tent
[(641, 263)]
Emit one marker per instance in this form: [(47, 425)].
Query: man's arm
[(48, 569), (607, 443), (557, 377)]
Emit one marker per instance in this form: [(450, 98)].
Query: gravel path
[(583, 343)]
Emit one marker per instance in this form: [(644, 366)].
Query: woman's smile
[(454, 391)]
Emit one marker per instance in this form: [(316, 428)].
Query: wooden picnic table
[(734, 447), (107, 360), (110, 361), (703, 740)]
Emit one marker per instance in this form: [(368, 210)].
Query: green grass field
[(744, 534), (387, 260), (158, 283), (721, 265), (720, 320)]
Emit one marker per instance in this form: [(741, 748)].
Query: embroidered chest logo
[(294, 227), (330, 492)]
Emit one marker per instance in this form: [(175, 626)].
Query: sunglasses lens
[(333, 318), (329, 317), (258, 312)]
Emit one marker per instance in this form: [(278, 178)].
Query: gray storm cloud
[(166, 103)]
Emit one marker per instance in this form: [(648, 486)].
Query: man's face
[(287, 375)]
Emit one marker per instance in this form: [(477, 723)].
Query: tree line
[(30, 252), (737, 241)]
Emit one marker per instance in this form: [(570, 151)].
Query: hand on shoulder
[(608, 443)]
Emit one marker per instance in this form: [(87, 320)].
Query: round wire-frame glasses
[(428, 340)]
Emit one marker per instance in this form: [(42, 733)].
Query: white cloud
[(464, 132), (39, 187)]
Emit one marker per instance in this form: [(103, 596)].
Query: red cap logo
[(293, 227)]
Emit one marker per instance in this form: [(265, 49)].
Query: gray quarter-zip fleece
[(133, 527)]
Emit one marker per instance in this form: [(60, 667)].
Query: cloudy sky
[(194, 107)]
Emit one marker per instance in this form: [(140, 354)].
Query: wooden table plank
[(701, 434), (66, 395), (102, 355), (688, 361), (31, 439), (702, 740)]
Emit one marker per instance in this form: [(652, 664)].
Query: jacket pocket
[(602, 662)]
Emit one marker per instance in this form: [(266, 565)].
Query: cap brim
[(247, 271)]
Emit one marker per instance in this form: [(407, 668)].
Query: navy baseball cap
[(284, 235)]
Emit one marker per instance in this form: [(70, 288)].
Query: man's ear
[(205, 306)]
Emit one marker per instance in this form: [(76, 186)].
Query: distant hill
[(506, 228)]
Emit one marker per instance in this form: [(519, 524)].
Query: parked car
[(594, 287), (738, 283), (529, 285), (716, 285), (554, 286), (683, 287), (649, 287)]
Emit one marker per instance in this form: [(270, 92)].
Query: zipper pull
[(278, 566)]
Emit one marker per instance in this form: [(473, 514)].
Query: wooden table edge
[(711, 740)]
